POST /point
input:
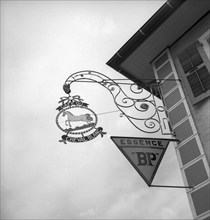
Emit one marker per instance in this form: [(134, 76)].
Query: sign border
[(148, 182)]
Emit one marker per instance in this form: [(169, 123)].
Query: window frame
[(206, 62), (204, 43)]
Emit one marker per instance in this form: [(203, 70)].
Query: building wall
[(190, 151), (201, 110)]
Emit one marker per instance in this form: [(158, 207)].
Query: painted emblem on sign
[(77, 121)]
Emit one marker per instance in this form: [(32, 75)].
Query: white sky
[(42, 43)]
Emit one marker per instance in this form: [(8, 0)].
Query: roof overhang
[(167, 25)]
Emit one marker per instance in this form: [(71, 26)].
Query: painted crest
[(77, 121)]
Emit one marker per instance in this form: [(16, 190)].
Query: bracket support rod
[(190, 187)]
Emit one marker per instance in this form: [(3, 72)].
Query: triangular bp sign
[(144, 154)]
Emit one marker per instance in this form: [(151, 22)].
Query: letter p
[(150, 157)]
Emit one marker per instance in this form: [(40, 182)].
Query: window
[(195, 70)]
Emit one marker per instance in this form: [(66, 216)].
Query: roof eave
[(144, 32)]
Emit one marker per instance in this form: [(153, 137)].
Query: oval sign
[(77, 121)]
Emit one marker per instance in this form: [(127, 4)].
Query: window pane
[(161, 60), (195, 84), (189, 151), (164, 70), (194, 55), (197, 168), (190, 58), (185, 62), (201, 199), (204, 77), (195, 70)]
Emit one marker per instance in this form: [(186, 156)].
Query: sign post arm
[(190, 187)]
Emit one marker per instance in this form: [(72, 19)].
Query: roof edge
[(144, 32)]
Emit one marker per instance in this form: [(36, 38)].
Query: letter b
[(142, 158), (145, 158)]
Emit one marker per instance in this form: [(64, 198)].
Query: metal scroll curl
[(138, 106)]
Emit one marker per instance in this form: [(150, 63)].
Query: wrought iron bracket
[(138, 106)]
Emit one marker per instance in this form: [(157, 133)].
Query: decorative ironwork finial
[(66, 88)]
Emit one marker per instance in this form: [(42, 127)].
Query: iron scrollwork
[(138, 106)]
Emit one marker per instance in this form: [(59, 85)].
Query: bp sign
[(144, 154)]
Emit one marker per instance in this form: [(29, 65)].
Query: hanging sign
[(77, 121), (144, 154)]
